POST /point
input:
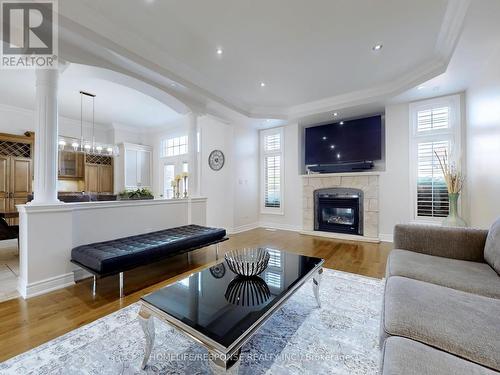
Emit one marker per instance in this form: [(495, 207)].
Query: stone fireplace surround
[(368, 182)]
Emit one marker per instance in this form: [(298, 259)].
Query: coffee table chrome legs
[(221, 364), (148, 326), (316, 283)]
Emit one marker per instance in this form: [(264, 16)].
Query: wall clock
[(216, 160), (218, 271)]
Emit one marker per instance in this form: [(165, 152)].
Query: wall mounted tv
[(345, 142)]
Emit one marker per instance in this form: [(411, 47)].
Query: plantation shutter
[(433, 119), (272, 170), (432, 193)]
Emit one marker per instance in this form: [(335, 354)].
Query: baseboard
[(340, 236), (291, 228), (243, 228), (386, 237), (44, 286)]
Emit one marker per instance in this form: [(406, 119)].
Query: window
[(272, 170), (174, 146), (168, 178), (435, 130)]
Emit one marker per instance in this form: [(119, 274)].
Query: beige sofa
[(441, 311)]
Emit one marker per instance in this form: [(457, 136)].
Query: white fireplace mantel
[(346, 174)]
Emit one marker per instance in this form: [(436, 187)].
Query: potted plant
[(137, 194), (454, 183)]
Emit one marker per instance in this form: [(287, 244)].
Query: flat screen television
[(349, 141)]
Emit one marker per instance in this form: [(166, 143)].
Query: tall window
[(435, 130), (168, 176), (174, 146), (272, 170)]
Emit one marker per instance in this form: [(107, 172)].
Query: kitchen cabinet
[(136, 166), (99, 174), (16, 172), (15, 183), (71, 165)]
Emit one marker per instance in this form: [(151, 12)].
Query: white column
[(46, 137), (194, 187)]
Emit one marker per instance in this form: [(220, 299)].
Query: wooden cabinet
[(91, 178), (16, 171), (15, 183), (136, 166), (71, 164), (99, 174)]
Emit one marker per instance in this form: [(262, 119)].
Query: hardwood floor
[(27, 324)]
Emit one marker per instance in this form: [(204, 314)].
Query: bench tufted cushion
[(114, 256)]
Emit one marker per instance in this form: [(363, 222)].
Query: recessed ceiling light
[(262, 84), (324, 138), (377, 47), (341, 122), (335, 114), (420, 87), (219, 51), (332, 146), (338, 156)]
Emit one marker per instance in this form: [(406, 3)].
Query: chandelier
[(83, 145)]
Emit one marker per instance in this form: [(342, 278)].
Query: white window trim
[(263, 209), (454, 134)]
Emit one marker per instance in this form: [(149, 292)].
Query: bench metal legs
[(121, 284)]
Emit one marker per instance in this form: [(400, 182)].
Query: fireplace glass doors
[(339, 210)]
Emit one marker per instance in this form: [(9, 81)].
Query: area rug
[(341, 337)]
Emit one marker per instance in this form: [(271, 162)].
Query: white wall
[(232, 192), (292, 186), (483, 144), (394, 188), (245, 177), (217, 186)]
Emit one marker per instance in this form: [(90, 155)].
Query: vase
[(453, 219)]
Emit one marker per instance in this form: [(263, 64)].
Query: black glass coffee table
[(221, 310)]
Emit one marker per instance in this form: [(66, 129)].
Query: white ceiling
[(479, 41), (304, 51), (115, 103)]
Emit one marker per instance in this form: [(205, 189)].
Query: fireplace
[(338, 210)]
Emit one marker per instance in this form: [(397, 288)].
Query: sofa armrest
[(456, 243)]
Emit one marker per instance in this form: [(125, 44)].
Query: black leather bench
[(116, 256)]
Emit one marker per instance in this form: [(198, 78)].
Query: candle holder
[(185, 177)]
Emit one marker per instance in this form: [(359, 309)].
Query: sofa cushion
[(123, 253), (471, 277), (492, 247), (403, 356), (464, 324)]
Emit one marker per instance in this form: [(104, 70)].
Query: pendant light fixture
[(84, 146)]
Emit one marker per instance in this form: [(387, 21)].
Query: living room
[(250, 188)]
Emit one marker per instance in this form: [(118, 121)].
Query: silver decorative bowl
[(247, 291), (247, 262)]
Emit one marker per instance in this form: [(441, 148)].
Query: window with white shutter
[(435, 130), (272, 170)]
